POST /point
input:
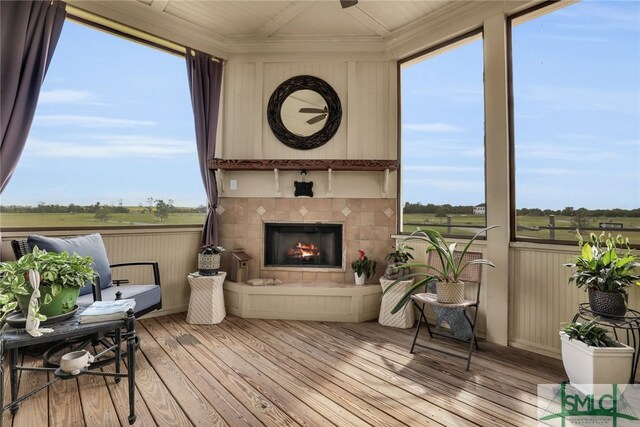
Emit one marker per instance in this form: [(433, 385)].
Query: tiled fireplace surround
[(368, 225)]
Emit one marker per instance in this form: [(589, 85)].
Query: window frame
[(99, 23), (477, 31), (535, 11)]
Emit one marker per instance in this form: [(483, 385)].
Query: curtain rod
[(125, 31)]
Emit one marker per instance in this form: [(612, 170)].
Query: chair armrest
[(97, 291), (153, 264)]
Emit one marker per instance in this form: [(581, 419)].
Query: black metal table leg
[(118, 344), (13, 373), (131, 365)]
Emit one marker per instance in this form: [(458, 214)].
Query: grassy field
[(527, 225), (87, 219)]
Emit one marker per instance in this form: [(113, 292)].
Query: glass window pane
[(576, 90), (112, 142), (442, 165)]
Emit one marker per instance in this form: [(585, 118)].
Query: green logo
[(567, 404)]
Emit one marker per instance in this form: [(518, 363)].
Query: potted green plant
[(592, 358), (363, 267), (209, 260), (62, 275), (449, 288), (604, 273), (394, 259)]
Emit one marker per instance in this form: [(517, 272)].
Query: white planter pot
[(591, 370), (359, 278)]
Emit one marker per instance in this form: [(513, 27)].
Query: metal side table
[(628, 326), (12, 339)]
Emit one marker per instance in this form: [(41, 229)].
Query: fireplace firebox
[(303, 245)]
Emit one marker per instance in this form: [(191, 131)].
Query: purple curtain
[(30, 32), (205, 82)]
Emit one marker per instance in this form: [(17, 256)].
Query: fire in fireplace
[(304, 252), (303, 245)]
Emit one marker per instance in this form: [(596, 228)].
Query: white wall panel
[(364, 94)]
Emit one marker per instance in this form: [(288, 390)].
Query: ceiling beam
[(368, 21), (284, 18), (159, 5)]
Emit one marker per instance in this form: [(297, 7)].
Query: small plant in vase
[(363, 267), (395, 261), (209, 260), (604, 273)]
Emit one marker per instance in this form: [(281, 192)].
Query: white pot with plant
[(593, 360), (363, 268), (451, 265)]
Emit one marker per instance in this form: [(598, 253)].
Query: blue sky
[(577, 114), (114, 121)]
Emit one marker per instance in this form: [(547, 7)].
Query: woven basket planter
[(607, 304), (450, 293)]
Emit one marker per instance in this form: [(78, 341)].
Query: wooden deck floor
[(280, 373)]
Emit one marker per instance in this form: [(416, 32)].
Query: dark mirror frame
[(317, 139)]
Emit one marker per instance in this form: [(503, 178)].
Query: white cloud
[(459, 186), (68, 96), (547, 171), (441, 169), (111, 147), (88, 121), (432, 127), (559, 98)]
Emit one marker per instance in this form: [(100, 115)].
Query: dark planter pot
[(63, 303), (607, 304)]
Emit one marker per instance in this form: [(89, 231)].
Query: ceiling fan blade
[(348, 3), (316, 119), (312, 110)]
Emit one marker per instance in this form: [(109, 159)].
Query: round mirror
[(304, 112)]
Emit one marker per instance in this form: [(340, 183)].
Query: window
[(576, 115), (112, 142), (442, 143)]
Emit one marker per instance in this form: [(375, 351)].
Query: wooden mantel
[(310, 164)]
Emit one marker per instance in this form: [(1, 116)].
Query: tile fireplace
[(303, 245)]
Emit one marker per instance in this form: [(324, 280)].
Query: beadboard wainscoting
[(175, 250)]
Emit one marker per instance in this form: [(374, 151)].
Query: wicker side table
[(206, 304), (402, 319)]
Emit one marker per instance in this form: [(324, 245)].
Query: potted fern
[(449, 288)]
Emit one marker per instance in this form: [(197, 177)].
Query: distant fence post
[(552, 227), (448, 224)]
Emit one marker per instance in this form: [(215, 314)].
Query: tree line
[(443, 210), (103, 212)]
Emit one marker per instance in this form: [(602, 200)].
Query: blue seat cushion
[(89, 245), (145, 295)]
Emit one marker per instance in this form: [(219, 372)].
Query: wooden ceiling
[(280, 26)]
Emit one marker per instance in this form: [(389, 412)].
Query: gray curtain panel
[(205, 82), (29, 33)]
